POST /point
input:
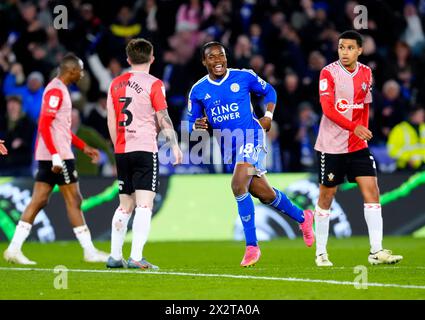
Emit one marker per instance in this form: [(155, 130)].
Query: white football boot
[(16, 256), (384, 257), (322, 260), (96, 256)]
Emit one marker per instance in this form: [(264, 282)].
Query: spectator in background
[(31, 93), (286, 115), (123, 28), (373, 60), (192, 13), (104, 75), (83, 164), (314, 32), (220, 25), (28, 30), (269, 73), (86, 29), (308, 128), (257, 63), (256, 36), (301, 17), (55, 50), (414, 34), (18, 132), (40, 59), (96, 116), (401, 68), (242, 52), (390, 109), (148, 15), (406, 141), (316, 61), (178, 72)]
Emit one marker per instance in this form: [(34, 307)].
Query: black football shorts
[(138, 170), (333, 168), (67, 176)]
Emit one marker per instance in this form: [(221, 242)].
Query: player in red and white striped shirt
[(56, 164), (345, 96), (136, 104), (3, 149)]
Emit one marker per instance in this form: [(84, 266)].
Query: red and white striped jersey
[(345, 97), (135, 97)]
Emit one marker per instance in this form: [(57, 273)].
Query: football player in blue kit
[(221, 101)]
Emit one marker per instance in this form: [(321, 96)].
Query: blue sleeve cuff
[(271, 95)]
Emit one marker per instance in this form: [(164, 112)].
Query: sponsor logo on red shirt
[(342, 105)]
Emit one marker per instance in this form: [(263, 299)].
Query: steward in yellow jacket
[(406, 141)]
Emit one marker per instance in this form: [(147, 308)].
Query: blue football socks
[(284, 205), (246, 213)]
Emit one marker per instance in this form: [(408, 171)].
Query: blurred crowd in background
[(286, 42)]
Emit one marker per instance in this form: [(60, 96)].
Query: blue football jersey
[(227, 105), (227, 102)]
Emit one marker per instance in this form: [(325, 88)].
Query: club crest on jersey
[(53, 102), (364, 86), (342, 105), (323, 84), (234, 87)]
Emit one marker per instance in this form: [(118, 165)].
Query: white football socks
[(119, 230), (83, 235), (141, 227), (373, 216), (22, 232), (322, 218)]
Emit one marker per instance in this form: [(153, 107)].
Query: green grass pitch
[(210, 270)]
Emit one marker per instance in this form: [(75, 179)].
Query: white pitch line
[(232, 276)]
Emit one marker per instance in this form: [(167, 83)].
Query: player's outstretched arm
[(167, 129), (3, 149)]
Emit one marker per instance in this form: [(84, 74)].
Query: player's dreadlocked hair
[(353, 35), (139, 51), (209, 45)]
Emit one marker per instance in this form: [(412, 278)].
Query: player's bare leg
[(373, 215), (242, 176), (261, 189), (322, 217), (119, 229), (73, 199), (39, 200), (141, 228)]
